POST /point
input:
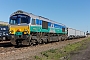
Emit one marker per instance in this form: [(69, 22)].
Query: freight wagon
[(73, 33), (4, 33), (82, 34)]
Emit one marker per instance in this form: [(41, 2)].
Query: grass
[(37, 58), (63, 53)]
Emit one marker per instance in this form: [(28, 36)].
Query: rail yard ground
[(76, 49)]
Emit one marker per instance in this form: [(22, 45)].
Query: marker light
[(18, 30)]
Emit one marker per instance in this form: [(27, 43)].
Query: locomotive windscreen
[(19, 19)]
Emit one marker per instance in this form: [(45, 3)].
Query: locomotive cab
[(19, 28)]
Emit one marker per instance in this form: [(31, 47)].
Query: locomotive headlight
[(25, 31), (11, 31)]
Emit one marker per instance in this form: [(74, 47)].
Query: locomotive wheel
[(37, 41), (39, 38), (31, 43), (18, 42), (13, 41)]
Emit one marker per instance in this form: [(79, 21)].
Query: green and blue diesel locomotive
[(28, 29)]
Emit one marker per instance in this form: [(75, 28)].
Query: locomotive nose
[(20, 30)]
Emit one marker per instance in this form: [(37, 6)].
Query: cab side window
[(33, 21)]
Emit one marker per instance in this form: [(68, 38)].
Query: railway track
[(6, 46), (8, 50)]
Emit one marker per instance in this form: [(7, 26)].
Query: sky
[(72, 13)]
